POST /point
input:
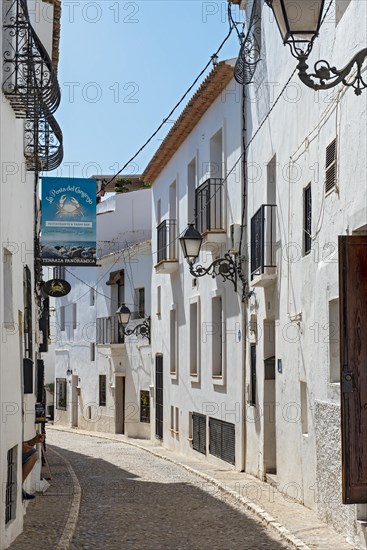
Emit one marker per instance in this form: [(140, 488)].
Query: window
[(102, 390), (304, 408), (92, 297), (144, 406), (330, 167), (191, 186), (140, 302), (28, 321), (334, 346), (62, 318), (8, 288), (253, 374), (92, 351), (216, 155), (75, 324), (59, 272), (11, 485), (61, 394), (194, 339), (217, 337), (307, 219), (173, 341)]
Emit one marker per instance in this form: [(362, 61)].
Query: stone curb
[(259, 512), (71, 522)]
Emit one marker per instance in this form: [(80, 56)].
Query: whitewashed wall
[(301, 126), (131, 360), (218, 398)]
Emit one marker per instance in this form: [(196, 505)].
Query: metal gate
[(222, 440), (353, 354), (199, 432), (159, 396)]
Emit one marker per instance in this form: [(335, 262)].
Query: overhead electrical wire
[(232, 25)]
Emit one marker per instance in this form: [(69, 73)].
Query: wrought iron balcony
[(166, 238), (209, 212), (107, 331), (43, 148), (30, 84), (29, 75), (263, 235)]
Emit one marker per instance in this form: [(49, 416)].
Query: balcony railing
[(30, 84), (263, 235), (29, 75), (108, 331), (209, 213), (166, 237)]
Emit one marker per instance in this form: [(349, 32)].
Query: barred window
[(61, 394), (307, 219), (11, 485)]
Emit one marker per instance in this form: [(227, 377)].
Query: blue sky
[(123, 66)]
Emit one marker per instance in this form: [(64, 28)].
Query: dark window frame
[(102, 393), (252, 396), (307, 219)]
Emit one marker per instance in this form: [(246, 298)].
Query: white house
[(30, 141), (306, 158), (197, 336), (102, 376)]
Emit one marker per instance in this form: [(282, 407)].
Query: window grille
[(199, 432), (330, 167), (307, 219), (222, 440), (11, 485)]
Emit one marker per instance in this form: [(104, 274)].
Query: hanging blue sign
[(68, 228)]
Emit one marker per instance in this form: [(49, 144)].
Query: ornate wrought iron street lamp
[(123, 315), (226, 267), (299, 24)]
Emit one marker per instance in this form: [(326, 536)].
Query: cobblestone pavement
[(134, 500), (47, 514)]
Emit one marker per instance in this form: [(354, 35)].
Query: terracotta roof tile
[(209, 90)]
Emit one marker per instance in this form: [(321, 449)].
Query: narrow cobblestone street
[(133, 500)]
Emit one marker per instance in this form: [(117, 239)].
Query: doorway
[(74, 401), (120, 405), (269, 405)]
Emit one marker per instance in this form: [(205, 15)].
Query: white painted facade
[(197, 323), (17, 230), (88, 341), (293, 432)]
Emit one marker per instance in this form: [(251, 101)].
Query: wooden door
[(353, 353)]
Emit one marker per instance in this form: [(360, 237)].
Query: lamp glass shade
[(191, 244), (298, 20), (123, 314)]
